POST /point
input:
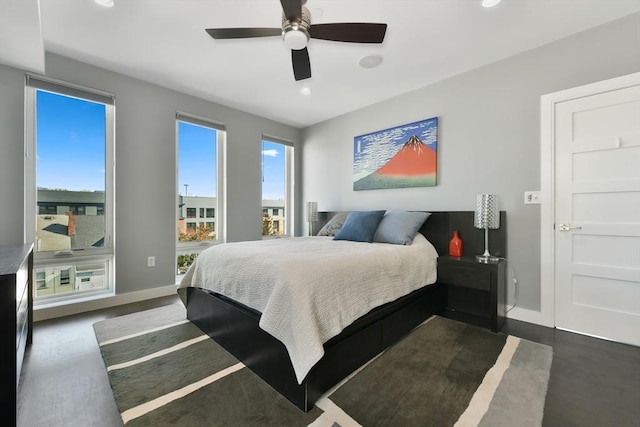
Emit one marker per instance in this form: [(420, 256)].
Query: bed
[(276, 337)]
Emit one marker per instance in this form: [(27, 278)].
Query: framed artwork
[(399, 157)]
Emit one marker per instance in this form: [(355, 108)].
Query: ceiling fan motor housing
[(296, 34)]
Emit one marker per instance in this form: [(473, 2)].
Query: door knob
[(567, 227)]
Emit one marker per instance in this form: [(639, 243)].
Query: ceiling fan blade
[(243, 33), (301, 64), (354, 32), (292, 9)]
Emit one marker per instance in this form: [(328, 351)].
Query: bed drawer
[(397, 325)]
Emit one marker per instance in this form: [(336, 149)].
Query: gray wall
[(145, 166), (489, 138)]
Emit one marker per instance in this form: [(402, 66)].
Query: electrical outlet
[(531, 197), (151, 261)]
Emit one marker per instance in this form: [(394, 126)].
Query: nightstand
[(476, 292)]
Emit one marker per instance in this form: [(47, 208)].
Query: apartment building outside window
[(200, 177), (69, 176), (277, 187)]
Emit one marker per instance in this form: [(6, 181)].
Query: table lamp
[(487, 215), (312, 215)]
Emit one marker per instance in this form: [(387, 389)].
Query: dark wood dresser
[(16, 299)]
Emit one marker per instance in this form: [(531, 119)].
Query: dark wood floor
[(64, 383)]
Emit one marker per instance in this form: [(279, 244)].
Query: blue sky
[(196, 160), (273, 168), (71, 154), (198, 170), (69, 129)]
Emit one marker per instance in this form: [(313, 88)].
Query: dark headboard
[(438, 229)]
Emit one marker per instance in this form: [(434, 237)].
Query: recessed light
[(106, 3), (490, 3), (305, 91), (370, 61)]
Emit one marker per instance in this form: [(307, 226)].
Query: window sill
[(70, 300)]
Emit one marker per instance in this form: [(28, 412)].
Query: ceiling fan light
[(490, 3), (106, 3), (295, 39), (370, 61)]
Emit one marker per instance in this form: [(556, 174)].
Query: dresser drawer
[(21, 320), (21, 339), (467, 276), (470, 301), (22, 283)]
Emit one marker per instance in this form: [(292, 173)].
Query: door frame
[(547, 182)]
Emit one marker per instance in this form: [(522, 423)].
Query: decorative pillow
[(334, 224), (360, 226), (399, 227)]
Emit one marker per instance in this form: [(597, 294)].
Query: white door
[(597, 217)]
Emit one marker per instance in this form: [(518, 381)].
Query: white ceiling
[(164, 42), (21, 44)]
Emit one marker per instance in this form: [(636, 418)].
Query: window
[(200, 175), (277, 187), (69, 186), (46, 210), (65, 277), (41, 282)]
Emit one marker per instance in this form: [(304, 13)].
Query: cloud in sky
[(270, 153)]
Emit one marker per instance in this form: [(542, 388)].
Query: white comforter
[(309, 289)]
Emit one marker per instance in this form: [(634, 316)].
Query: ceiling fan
[(297, 30)]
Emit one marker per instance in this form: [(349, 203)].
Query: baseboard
[(100, 303), (526, 315)]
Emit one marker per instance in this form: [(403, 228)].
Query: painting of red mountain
[(400, 157)]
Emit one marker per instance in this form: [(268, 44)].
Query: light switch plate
[(531, 197)]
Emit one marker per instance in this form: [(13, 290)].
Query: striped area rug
[(165, 372)]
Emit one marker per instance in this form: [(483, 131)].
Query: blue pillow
[(400, 227), (360, 226)]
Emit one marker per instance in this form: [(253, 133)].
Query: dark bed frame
[(235, 326)]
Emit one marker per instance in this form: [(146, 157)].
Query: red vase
[(455, 245)]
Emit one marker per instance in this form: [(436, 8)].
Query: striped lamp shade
[(487, 213), (312, 211)]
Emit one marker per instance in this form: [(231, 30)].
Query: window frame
[(289, 184), (104, 254), (185, 248)]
